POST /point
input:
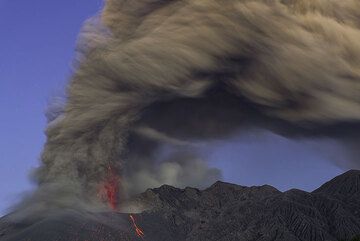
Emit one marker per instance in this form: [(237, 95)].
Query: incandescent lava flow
[(139, 232), (110, 193)]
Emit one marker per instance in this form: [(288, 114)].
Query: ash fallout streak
[(156, 72)]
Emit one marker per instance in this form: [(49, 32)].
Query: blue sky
[(37, 41)]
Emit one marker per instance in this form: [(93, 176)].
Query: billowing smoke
[(152, 73)]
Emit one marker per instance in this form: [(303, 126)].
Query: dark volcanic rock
[(70, 226), (224, 211)]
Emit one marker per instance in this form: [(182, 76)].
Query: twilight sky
[(37, 41)]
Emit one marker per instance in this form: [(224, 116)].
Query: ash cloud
[(181, 170), (198, 70)]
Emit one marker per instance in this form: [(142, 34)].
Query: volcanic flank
[(153, 72), (221, 212)]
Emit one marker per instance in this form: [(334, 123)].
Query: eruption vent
[(152, 73)]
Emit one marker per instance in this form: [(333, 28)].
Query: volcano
[(221, 212)]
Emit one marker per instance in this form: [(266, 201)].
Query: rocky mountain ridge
[(222, 212)]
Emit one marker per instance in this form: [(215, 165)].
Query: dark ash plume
[(156, 71)]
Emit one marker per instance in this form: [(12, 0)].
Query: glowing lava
[(110, 192), (138, 230), (112, 188)]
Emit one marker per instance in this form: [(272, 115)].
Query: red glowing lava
[(138, 230), (109, 191)]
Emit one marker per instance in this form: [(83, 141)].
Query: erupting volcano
[(154, 75)]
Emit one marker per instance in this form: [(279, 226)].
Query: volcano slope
[(221, 212)]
